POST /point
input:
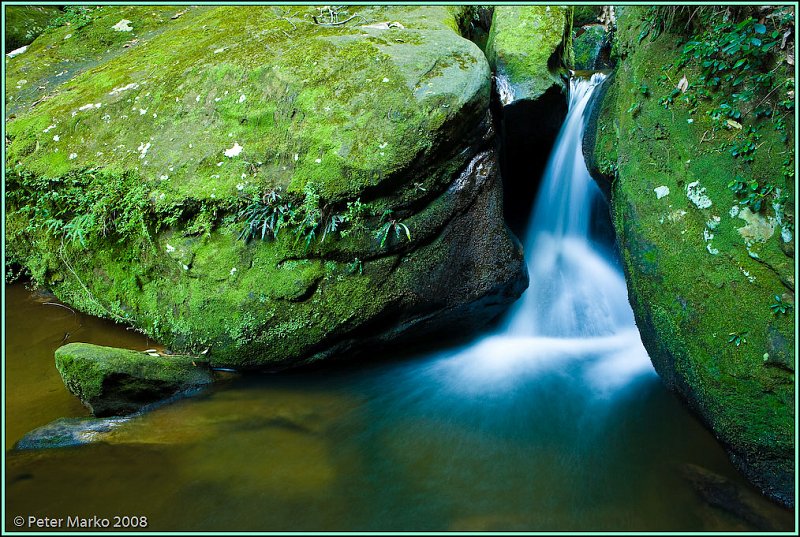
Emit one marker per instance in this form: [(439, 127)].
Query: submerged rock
[(113, 382), (265, 185), (722, 493), (68, 432), (702, 271)]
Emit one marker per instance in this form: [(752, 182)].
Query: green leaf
[(759, 28)]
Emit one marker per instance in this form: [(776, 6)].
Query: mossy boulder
[(113, 382), (527, 50), (142, 150), (588, 14), (25, 23), (703, 270)]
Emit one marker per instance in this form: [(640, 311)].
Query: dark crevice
[(526, 132)]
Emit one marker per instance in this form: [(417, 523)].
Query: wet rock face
[(227, 181), (703, 270), (114, 382)]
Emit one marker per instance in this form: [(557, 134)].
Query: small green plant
[(738, 338), (265, 216), (753, 194), (76, 17), (391, 225), (356, 266), (779, 307), (77, 229)]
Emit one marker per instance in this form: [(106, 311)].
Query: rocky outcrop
[(710, 276), (25, 23), (529, 49), (115, 382), (265, 185)]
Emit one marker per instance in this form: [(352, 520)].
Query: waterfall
[(576, 307), (575, 291)]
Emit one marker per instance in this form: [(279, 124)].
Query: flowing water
[(555, 422)]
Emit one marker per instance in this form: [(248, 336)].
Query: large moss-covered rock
[(135, 145), (24, 23), (529, 50), (111, 381), (703, 270)]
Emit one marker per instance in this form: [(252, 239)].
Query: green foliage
[(780, 307), (391, 225), (83, 206), (752, 193), (734, 60), (356, 266), (308, 217), (265, 216), (738, 338), (75, 17)]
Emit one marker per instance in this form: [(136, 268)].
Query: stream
[(556, 421)]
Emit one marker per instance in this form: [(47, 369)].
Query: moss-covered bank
[(710, 274), (136, 144)]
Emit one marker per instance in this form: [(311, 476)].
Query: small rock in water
[(112, 381), (67, 432)]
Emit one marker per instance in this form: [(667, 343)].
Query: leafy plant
[(738, 338), (754, 194), (75, 17), (356, 266), (78, 228), (265, 216), (779, 306), (391, 225)]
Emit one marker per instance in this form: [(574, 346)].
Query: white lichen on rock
[(120, 89), (661, 191), (758, 228), (122, 26), (697, 195), (234, 151)]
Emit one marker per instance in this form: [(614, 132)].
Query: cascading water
[(576, 305)]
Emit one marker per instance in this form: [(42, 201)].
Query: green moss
[(85, 368), (150, 174)]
